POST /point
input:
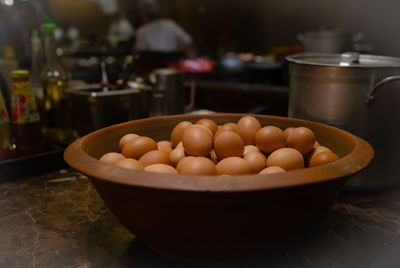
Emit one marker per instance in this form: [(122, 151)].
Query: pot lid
[(348, 59)]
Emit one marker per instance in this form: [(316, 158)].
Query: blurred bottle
[(25, 127), (3, 37), (6, 143), (36, 68), (57, 119)]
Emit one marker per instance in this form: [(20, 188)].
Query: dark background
[(224, 25)]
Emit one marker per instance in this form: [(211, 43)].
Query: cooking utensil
[(122, 82), (168, 92), (104, 78), (357, 93), (217, 219), (92, 108)]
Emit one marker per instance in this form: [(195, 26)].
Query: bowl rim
[(353, 162)]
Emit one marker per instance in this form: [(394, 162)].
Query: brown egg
[(247, 128), (228, 144), (176, 155), (286, 158), (182, 162), (230, 126), (206, 129), (226, 127), (137, 147), (256, 160), (176, 134), (250, 148), (197, 141), (302, 139), (316, 144), (287, 131), (164, 148), (323, 158), (154, 157), (198, 166), (161, 168), (179, 144), (213, 156), (208, 123), (126, 138), (269, 139), (129, 163), (111, 158), (315, 151), (165, 143), (233, 166), (271, 170)]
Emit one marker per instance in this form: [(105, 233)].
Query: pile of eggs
[(204, 148)]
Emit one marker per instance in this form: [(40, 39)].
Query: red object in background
[(194, 65)]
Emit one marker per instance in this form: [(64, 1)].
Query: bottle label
[(24, 108), (4, 119)]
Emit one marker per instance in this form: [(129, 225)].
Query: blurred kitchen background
[(235, 62)]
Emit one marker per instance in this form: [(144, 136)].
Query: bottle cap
[(49, 27), (20, 73)]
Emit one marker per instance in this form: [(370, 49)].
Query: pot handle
[(384, 81)]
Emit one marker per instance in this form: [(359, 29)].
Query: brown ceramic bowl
[(212, 218)]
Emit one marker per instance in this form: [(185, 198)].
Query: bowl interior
[(355, 154), (160, 129)]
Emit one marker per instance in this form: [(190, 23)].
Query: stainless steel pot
[(358, 93), (93, 109), (168, 92)]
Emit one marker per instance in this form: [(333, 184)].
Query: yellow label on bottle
[(24, 108)]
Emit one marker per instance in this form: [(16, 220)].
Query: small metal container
[(93, 109), (168, 92)]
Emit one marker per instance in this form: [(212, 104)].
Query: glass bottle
[(36, 68), (57, 119), (25, 127)]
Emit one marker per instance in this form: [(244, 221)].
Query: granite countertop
[(58, 220)]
